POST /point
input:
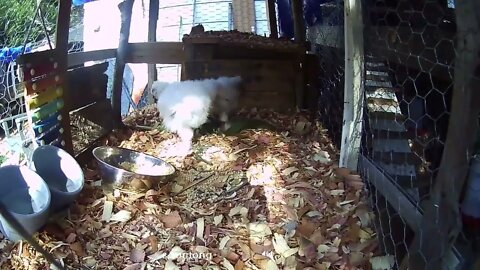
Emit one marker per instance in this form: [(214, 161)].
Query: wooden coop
[(278, 74)]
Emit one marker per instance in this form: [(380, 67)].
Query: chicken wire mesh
[(409, 68), (327, 39), (24, 28)]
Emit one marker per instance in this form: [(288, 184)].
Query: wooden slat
[(383, 102), (387, 116), (61, 37), (384, 89), (120, 61), (247, 68), (396, 158), (384, 184), (378, 83), (384, 108), (155, 53), (79, 58), (395, 145), (403, 174), (386, 134), (87, 85), (381, 124), (272, 18), (37, 57), (153, 10), (273, 100), (377, 77), (381, 93)]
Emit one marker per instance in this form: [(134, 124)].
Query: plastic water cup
[(61, 172), (26, 196)]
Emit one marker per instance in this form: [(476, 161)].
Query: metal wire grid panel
[(176, 19), (408, 81), (327, 42), (21, 31)]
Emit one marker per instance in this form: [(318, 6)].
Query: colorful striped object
[(47, 110)]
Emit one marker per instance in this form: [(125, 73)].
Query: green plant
[(16, 16), (3, 159)]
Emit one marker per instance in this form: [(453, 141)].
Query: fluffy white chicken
[(185, 106)]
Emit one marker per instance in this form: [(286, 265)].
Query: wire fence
[(24, 28), (410, 55), (327, 39)]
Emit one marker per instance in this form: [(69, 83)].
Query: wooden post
[(272, 18), (298, 21), (152, 37), (61, 43), (354, 85), (441, 222), (126, 18)]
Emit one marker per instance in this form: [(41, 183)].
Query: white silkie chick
[(185, 106)]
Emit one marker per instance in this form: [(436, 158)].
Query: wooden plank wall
[(268, 83)]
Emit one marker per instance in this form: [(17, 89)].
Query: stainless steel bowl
[(110, 158)]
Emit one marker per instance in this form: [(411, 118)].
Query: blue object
[(46, 124), (8, 55), (50, 135), (285, 19), (80, 2), (313, 12), (61, 172), (27, 198)]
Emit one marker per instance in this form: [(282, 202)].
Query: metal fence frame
[(385, 193)]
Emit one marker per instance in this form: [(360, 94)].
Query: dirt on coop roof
[(249, 40), (259, 200)]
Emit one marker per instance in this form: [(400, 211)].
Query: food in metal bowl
[(146, 169)]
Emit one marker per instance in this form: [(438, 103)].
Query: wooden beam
[(155, 53), (152, 37), (61, 37), (79, 58), (272, 18), (441, 222), (354, 86), (126, 19), (298, 21)]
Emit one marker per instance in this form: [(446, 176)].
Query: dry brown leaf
[(71, 238), (77, 247), (317, 237), (171, 220), (137, 255), (356, 258), (291, 212), (265, 263), (306, 228), (307, 249), (240, 265), (143, 138), (136, 266), (153, 240), (342, 173)]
